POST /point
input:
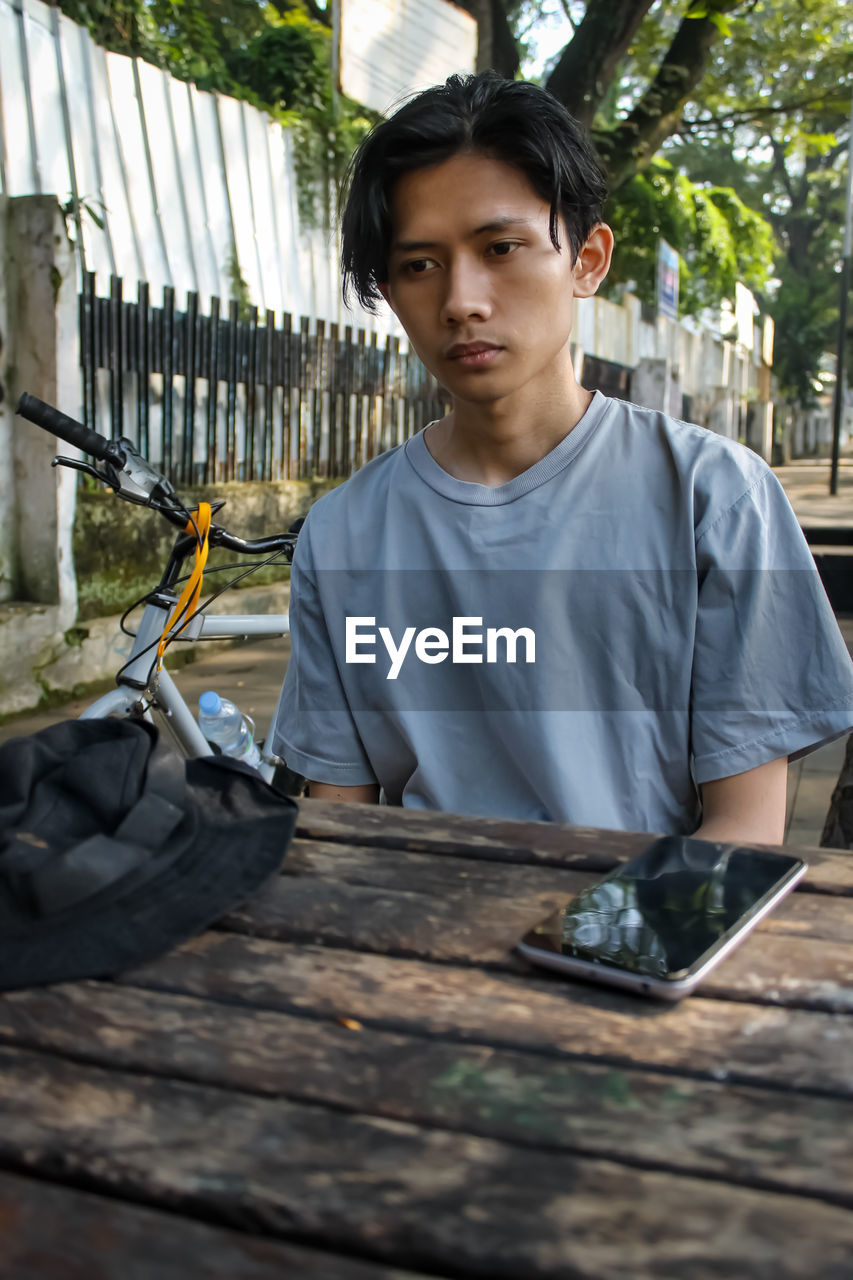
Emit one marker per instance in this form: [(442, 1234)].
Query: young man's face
[(471, 265)]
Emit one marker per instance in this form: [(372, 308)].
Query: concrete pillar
[(41, 356), (721, 417), (650, 383), (761, 429), (656, 384)]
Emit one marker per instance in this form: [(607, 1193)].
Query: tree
[(719, 238), (692, 124), (782, 143)]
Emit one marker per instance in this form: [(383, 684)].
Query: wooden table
[(353, 1078)]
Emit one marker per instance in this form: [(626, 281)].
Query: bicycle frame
[(141, 690), (134, 695)]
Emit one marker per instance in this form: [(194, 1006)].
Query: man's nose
[(466, 293)]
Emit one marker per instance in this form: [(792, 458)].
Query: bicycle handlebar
[(135, 480), (69, 430)]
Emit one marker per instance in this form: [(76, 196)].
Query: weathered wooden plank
[(399, 1194), (726, 1040), (787, 970), (749, 1135), (483, 928), (420, 831), (427, 873), (480, 928), (812, 915), (551, 844), (50, 1232), (808, 915)]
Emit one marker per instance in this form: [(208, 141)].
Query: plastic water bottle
[(225, 725)]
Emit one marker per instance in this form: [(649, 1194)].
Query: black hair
[(508, 120)]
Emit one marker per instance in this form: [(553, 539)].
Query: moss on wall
[(120, 550)]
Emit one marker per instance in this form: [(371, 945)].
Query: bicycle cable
[(271, 559), (176, 617)]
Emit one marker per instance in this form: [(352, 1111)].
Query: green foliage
[(287, 65), (324, 143), (805, 312), (772, 121), (699, 9), (122, 25), (720, 240), (188, 38), (768, 121)]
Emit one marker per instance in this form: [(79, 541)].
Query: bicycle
[(144, 686)]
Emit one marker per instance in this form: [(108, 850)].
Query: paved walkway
[(811, 781), (252, 673), (807, 486)]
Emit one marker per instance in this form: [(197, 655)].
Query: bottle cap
[(210, 703)]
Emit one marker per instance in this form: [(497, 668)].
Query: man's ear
[(593, 261)]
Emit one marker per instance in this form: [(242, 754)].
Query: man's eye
[(504, 248), (417, 266)]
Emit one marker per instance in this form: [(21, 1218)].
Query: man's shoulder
[(364, 486), (701, 455), (657, 425)]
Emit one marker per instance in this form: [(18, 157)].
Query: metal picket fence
[(238, 397)]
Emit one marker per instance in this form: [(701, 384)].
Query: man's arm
[(746, 806), (366, 794)]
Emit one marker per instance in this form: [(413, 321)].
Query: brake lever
[(134, 479), (77, 465)]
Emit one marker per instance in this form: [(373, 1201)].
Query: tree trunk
[(496, 47), (589, 62), (630, 147)]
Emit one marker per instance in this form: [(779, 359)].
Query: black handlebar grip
[(68, 429)]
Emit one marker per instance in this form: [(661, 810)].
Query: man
[(548, 604)]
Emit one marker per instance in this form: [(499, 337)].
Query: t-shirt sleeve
[(314, 730), (771, 672)]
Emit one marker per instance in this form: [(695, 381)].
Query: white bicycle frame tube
[(122, 700)]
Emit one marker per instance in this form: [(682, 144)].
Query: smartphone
[(660, 922)]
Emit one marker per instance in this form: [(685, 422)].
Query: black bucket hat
[(113, 849)]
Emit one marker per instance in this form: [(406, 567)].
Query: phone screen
[(661, 913)]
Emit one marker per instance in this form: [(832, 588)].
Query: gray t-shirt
[(635, 614)]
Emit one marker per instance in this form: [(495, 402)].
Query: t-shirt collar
[(481, 495)]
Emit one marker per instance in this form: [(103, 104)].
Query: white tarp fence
[(186, 183)]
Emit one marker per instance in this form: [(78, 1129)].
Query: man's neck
[(491, 444)]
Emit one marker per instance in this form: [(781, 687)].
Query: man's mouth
[(473, 353)]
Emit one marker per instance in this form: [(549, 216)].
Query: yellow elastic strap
[(191, 593)]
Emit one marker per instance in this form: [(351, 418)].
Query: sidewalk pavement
[(806, 482), (251, 674), (811, 781)]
